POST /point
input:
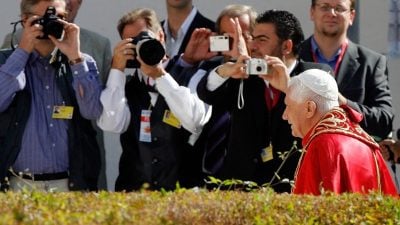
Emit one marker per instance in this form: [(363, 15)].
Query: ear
[(24, 18), (312, 11), (161, 36), (287, 47), (352, 16), (311, 109)]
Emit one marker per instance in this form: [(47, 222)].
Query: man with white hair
[(339, 156)]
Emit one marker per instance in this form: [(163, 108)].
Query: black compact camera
[(149, 49), (51, 25)]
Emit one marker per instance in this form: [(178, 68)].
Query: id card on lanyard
[(145, 126)]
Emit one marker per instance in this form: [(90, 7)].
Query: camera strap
[(240, 101), (13, 33)]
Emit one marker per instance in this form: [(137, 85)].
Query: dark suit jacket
[(253, 128), (363, 79), (199, 21)]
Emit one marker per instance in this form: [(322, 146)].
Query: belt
[(46, 176)]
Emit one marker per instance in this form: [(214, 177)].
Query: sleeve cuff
[(116, 78)]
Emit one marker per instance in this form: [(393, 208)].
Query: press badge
[(145, 128), (170, 119), (267, 154), (63, 112)]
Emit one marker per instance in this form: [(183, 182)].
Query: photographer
[(259, 139), (159, 118), (50, 91)]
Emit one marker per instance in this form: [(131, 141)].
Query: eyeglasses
[(324, 7)]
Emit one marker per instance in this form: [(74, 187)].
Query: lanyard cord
[(240, 101)]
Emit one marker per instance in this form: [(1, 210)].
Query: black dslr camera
[(149, 49), (50, 23)]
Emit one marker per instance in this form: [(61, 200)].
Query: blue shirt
[(44, 147), (321, 59)]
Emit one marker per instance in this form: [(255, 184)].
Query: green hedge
[(196, 207)]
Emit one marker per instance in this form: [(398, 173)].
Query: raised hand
[(69, 44), (278, 75), (198, 47), (123, 52), (30, 33)]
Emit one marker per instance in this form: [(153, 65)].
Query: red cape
[(339, 156)]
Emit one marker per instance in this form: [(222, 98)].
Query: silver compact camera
[(256, 66), (220, 43)]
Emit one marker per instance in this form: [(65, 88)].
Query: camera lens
[(259, 68), (151, 52)]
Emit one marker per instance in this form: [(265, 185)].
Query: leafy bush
[(196, 206)]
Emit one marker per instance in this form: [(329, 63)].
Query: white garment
[(182, 101), (21, 184)]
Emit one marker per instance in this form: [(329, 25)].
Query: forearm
[(12, 77), (184, 103), (116, 115), (87, 88)]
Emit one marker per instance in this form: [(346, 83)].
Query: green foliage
[(197, 206)]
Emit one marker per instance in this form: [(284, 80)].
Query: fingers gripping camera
[(51, 25), (149, 49), (256, 66)]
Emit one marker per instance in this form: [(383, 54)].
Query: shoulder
[(364, 53), (203, 21), (303, 66), (90, 36), (4, 54)]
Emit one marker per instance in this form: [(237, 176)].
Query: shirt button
[(51, 125), (155, 139), (155, 182), (48, 106), (46, 68), (255, 160), (53, 145), (75, 72), (47, 87), (154, 161)]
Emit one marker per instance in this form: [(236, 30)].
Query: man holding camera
[(260, 141), (157, 115), (50, 91)]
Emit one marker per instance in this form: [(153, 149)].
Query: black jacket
[(363, 79), (253, 128)]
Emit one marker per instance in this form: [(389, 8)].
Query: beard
[(329, 32)]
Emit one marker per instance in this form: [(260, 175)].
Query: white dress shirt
[(183, 102)]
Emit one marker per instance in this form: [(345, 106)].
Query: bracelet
[(75, 61)]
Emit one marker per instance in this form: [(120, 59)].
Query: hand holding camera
[(255, 66), (148, 48), (197, 49), (50, 24), (277, 74)]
